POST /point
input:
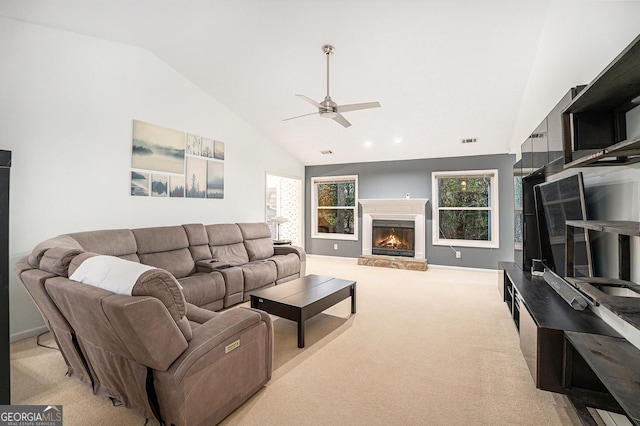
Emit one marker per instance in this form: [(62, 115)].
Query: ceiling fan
[(328, 108)]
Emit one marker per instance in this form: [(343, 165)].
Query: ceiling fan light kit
[(328, 108)]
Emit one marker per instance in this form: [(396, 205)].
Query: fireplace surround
[(394, 211)]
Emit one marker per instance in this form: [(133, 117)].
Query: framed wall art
[(174, 164)]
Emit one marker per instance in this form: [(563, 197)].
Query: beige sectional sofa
[(134, 313), (244, 257)]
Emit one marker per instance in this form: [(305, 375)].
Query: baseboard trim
[(28, 333), (324, 256), (462, 268), (431, 265)]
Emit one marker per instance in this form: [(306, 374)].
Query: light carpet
[(424, 348)]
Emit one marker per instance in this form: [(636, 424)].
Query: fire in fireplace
[(393, 238)]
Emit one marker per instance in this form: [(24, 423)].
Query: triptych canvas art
[(169, 163)]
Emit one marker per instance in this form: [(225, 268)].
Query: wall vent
[(537, 135), (470, 140), (326, 152)]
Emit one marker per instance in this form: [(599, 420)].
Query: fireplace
[(396, 211), (393, 238)]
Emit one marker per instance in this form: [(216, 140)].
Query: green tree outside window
[(336, 207), (464, 208)]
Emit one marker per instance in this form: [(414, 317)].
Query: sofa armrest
[(198, 314), (210, 339), (228, 359), (299, 251), (291, 249), (210, 265)]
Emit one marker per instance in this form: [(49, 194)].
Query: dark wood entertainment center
[(569, 351)]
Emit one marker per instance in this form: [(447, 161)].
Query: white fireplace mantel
[(398, 209)]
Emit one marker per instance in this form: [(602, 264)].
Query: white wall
[(66, 110), (579, 39)]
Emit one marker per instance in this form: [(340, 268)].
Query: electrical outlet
[(458, 255), (335, 247)]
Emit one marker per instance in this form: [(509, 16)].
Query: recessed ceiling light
[(368, 144), (397, 141)]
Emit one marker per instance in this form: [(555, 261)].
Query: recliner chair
[(167, 359)]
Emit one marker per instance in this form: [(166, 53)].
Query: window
[(465, 208), (334, 207)]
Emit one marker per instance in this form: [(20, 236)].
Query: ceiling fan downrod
[(328, 51)]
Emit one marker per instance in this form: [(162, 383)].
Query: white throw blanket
[(110, 273)]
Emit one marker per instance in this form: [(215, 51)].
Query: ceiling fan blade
[(340, 119), (311, 101), (303, 115), (354, 107)]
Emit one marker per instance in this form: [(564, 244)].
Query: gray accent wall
[(393, 179)]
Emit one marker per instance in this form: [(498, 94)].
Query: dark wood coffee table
[(301, 299)]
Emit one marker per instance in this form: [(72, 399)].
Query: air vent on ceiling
[(470, 140), (326, 152), (537, 135)]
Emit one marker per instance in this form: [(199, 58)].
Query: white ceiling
[(442, 70)]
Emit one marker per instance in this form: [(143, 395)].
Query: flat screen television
[(556, 202)]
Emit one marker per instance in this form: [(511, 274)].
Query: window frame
[(493, 209), (314, 208)]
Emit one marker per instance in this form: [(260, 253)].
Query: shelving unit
[(600, 371), (625, 152), (577, 352), (598, 288), (611, 362), (624, 229), (595, 124), (541, 318)]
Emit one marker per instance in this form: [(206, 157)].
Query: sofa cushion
[(203, 289), (165, 247), (162, 285), (257, 275), (135, 279), (112, 242), (257, 240), (60, 241), (56, 260), (226, 244), (198, 241), (178, 262), (160, 238), (286, 265)]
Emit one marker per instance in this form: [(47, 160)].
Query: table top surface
[(548, 309), (303, 291), (616, 362)]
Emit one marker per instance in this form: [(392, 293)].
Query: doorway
[(284, 208)]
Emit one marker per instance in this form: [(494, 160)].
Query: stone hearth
[(393, 262)]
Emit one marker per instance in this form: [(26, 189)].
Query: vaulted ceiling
[(442, 70)]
